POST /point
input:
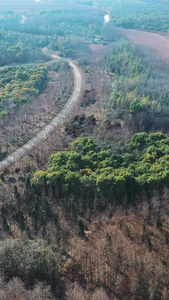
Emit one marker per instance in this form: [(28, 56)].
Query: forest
[(146, 15), (18, 85), (20, 48), (141, 90), (84, 214)]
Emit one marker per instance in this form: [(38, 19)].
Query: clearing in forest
[(156, 41)]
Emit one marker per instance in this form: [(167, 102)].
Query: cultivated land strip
[(43, 134), (152, 40)]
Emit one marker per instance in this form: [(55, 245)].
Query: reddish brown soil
[(96, 48), (151, 40), (98, 51)]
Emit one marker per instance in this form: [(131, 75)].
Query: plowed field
[(156, 41)]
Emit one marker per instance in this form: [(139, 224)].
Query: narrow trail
[(44, 133)]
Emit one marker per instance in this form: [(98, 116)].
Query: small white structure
[(113, 86), (106, 19)]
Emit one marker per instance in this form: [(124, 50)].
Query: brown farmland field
[(156, 41)]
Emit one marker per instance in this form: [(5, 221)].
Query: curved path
[(42, 135)]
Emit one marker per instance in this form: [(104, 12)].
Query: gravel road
[(42, 135)]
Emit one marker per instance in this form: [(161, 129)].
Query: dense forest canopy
[(57, 22), (20, 48), (150, 15), (18, 85), (88, 173)]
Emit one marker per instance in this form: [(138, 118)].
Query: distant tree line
[(57, 22)]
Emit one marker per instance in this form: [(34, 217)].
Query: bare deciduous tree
[(40, 292), (76, 292), (100, 294)]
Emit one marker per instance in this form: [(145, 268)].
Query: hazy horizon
[(35, 4)]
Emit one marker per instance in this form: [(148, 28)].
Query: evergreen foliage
[(87, 172), (18, 85)]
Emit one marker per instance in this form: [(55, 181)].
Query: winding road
[(42, 135), (157, 41)]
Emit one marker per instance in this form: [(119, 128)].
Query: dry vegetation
[(125, 253), (157, 42), (22, 126), (98, 87), (119, 251)]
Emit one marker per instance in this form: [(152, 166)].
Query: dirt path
[(151, 40), (68, 109)]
